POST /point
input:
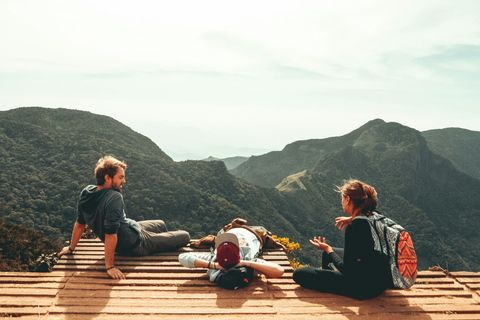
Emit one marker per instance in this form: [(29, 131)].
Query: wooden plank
[(31, 279), (28, 292), (465, 274), (197, 287), (427, 293), (137, 282), (393, 311), (285, 280), (438, 286), (21, 311), (467, 280), (172, 295), (188, 301), (160, 310), (434, 280), (135, 268), (27, 301), (389, 293), (473, 286), (37, 274), (173, 283), (142, 275), (45, 285), (441, 286), (380, 302)]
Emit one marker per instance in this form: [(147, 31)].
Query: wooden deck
[(158, 287)]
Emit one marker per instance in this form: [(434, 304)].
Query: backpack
[(393, 240), (235, 278)]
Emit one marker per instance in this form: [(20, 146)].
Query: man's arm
[(78, 229), (110, 245), (270, 269)]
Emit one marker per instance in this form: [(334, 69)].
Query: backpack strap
[(377, 230)]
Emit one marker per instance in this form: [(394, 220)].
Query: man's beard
[(117, 187)]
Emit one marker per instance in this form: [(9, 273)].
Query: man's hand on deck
[(114, 273)]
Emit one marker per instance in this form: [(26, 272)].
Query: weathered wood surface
[(158, 286)]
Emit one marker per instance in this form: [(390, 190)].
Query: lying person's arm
[(270, 269), (192, 260)]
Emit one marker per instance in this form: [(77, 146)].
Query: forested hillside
[(48, 156), (24, 249), (458, 145)]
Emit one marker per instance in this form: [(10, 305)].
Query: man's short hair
[(107, 165)]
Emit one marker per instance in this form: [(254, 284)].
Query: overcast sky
[(226, 78)]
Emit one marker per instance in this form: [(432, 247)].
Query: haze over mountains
[(48, 156)]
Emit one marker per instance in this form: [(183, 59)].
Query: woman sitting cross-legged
[(363, 272)]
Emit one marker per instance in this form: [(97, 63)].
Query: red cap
[(228, 251)]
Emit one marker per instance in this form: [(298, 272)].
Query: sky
[(240, 78)]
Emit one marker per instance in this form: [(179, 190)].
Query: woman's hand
[(321, 244), (342, 222)]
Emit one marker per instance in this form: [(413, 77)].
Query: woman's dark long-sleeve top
[(362, 265)]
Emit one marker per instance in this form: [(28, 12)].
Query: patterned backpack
[(392, 239)]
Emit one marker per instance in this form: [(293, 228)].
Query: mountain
[(270, 169), (418, 188), (230, 162), (48, 156), (460, 146)]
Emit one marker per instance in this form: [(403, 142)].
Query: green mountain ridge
[(460, 146), (48, 156), (270, 169)]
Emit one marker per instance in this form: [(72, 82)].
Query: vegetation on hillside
[(460, 146), (23, 249)]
